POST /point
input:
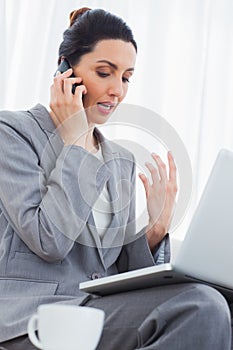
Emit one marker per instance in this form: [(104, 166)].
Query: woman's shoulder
[(10, 116), (23, 121), (15, 118)]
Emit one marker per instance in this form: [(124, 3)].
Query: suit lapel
[(114, 236)]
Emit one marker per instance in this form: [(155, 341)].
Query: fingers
[(63, 83), (161, 167), (68, 84), (172, 167), (58, 81), (154, 173), (80, 91), (173, 188), (159, 173), (145, 182)]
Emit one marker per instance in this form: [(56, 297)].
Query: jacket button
[(95, 276)]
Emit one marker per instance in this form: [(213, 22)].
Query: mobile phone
[(64, 66)]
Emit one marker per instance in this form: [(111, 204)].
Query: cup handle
[(32, 327)]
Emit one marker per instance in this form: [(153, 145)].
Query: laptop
[(206, 254)]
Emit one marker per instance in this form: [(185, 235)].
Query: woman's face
[(105, 72)]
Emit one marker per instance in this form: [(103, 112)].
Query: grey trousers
[(175, 317)]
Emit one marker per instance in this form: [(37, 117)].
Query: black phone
[(64, 66)]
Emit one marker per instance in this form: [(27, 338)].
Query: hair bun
[(77, 13)]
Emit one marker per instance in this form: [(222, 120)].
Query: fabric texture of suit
[(48, 239)]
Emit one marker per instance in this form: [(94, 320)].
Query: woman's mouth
[(105, 107)]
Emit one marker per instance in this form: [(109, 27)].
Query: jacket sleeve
[(162, 253), (48, 212)]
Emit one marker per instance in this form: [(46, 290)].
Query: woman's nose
[(116, 89)]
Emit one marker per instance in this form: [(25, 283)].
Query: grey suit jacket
[(48, 239)]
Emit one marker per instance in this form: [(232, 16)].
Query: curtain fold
[(3, 56)]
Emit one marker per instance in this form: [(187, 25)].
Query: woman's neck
[(91, 142)]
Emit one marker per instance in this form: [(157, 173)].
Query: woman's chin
[(96, 115)]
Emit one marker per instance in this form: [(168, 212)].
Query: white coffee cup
[(66, 327)]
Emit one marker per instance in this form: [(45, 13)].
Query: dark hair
[(87, 27)]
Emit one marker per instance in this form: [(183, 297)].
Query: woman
[(57, 171)]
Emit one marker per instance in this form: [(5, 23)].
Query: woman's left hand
[(160, 196)]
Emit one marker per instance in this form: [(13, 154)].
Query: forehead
[(121, 53)]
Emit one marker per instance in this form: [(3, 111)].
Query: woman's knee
[(211, 304)]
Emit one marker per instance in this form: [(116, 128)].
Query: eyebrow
[(113, 65)]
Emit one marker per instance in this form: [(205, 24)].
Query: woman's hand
[(160, 195), (67, 111)]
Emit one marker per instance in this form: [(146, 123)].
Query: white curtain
[(184, 69), (3, 52)]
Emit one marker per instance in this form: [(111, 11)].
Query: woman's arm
[(47, 211)]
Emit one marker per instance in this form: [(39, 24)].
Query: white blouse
[(102, 207)]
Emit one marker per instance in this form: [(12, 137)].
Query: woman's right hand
[(67, 110)]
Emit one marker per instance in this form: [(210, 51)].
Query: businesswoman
[(67, 211)]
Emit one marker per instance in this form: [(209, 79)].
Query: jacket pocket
[(32, 258), (13, 287)]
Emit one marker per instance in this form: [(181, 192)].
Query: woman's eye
[(105, 75), (125, 80), (102, 74)]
